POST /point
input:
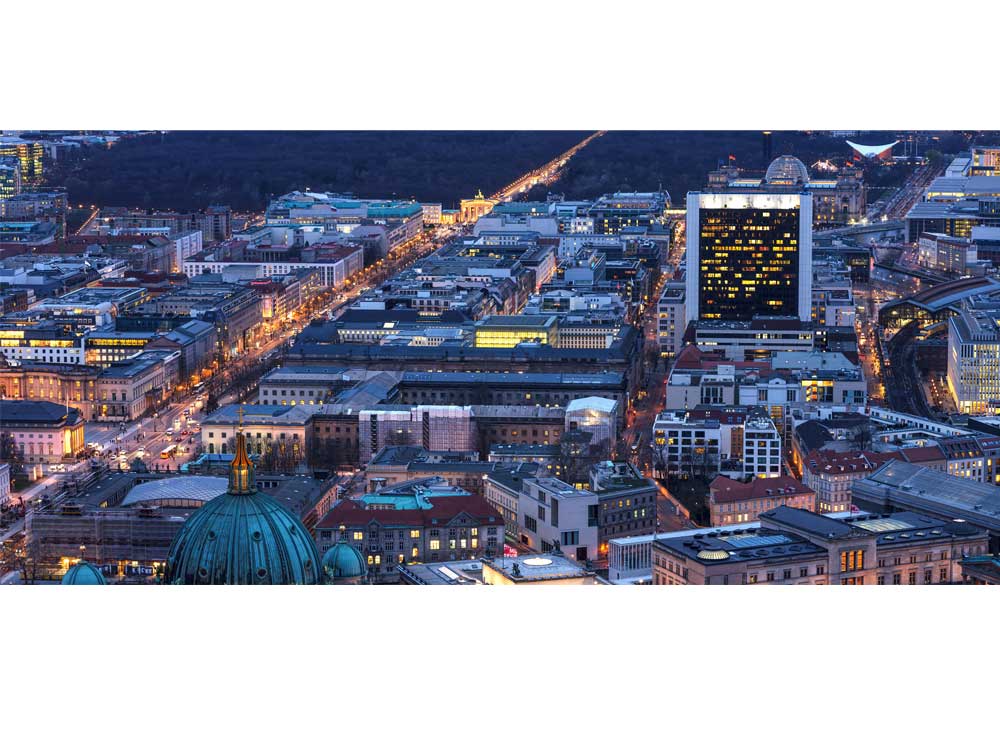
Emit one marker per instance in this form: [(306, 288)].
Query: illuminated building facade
[(104, 348), (43, 344), (749, 254), (735, 502), (761, 448), (508, 331), (10, 177), (472, 209), (597, 416), (44, 206), (431, 213), (615, 212), (73, 384), (985, 161), (758, 338), (272, 431), (672, 317), (129, 388), (43, 432), (29, 155), (974, 362), (436, 525)]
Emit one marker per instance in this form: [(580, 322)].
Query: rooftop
[(537, 568), (725, 490), (177, 491), (903, 484)]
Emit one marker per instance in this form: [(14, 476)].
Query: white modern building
[(551, 511), (671, 318), (974, 362), (761, 448), (682, 447)]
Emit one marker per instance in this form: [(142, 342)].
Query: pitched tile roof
[(725, 490)]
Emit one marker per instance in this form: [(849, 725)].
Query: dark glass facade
[(748, 263)]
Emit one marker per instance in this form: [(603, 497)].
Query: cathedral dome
[(343, 562), (787, 171), (243, 538), (83, 574)]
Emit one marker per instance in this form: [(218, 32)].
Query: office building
[(10, 179), (613, 213), (749, 254), (974, 361), (44, 343), (956, 256), (29, 233), (757, 338), (30, 156), (671, 318), (554, 514), (214, 222), (761, 448)]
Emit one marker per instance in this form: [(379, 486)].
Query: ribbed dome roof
[(83, 574), (713, 555), (787, 170), (343, 561), (243, 538)]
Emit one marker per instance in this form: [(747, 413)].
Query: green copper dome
[(243, 538), (83, 574), (343, 562)]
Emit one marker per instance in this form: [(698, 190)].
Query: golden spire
[(241, 480)]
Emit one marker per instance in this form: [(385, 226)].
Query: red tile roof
[(724, 490), (824, 461), (443, 511), (929, 453), (691, 357)]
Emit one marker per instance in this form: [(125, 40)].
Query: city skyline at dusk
[(325, 327)]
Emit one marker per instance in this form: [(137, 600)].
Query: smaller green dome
[(344, 562), (83, 574)]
